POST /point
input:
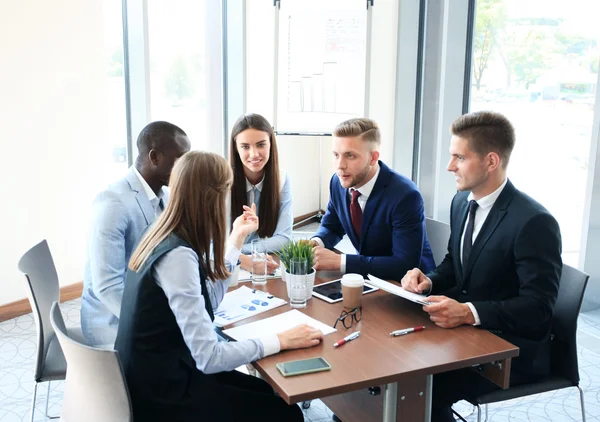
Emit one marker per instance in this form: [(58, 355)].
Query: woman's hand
[(300, 337), (246, 263), (244, 225)]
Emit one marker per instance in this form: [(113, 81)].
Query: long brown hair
[(268, 207), (196, 212)]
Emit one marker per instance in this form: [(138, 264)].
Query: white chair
[(438, 234), (95, 390), (42, 283)]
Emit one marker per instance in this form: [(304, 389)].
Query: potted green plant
[(298, 249)]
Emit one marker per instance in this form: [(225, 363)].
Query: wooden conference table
[(401, 366)]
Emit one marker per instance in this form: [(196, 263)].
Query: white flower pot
[(310, 281)]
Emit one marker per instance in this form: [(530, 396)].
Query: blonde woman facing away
[(258, 180), (175, 367)]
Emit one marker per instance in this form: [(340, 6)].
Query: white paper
[(247, 275), (398, 290), (345, 246), (244, 303), (276, 324)]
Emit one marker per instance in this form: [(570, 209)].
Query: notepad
[(276, 324), (398, 290)]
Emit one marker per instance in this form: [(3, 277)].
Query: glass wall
[(537, 63)]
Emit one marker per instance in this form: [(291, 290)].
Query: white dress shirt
[(154, 200), (177, 274), (485, 205), (365, 191)]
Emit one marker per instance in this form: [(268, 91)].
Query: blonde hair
[(364, 128), (196, 212)]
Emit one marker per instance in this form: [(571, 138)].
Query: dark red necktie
[(356, 212)]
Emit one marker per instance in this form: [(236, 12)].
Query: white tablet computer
[(332, 290)]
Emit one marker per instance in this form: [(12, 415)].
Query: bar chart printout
[(322, 64)]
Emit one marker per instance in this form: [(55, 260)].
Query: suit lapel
[(373, 201), (497, 213), (141, 197)]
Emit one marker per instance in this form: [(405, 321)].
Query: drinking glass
[(298, 274), (259, 262)]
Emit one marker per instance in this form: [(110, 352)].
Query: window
[(184, 85), (537, 63)]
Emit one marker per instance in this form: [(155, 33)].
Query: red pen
[(347, 339), (406, 331)]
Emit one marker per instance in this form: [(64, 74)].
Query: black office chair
[(564, 367)]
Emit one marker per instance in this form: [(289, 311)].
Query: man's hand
[(448, 313), (326, 259), (300, 337), (415, 281), (310, 242)]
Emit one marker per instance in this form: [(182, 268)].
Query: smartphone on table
[(304, 366)]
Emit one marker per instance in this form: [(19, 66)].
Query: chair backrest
[(564, 323), (95, 389), (42, 282), (438, 234)]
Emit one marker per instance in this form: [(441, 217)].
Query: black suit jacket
[(512, 274)]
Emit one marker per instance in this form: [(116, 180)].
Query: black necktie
[(468, 242)]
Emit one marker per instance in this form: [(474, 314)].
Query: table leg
[(390, 402), (428, 395)]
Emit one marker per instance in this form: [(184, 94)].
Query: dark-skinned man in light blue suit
[(380, 210)]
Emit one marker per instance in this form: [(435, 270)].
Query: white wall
[(52, 108)]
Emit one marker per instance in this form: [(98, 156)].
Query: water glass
[(298, 283), (259, 262)]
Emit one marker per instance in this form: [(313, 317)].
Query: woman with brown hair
[(175, 367), (257, 180)]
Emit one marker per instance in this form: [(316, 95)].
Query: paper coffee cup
[(352, 290)]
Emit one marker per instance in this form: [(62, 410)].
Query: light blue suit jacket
[(120, 215)]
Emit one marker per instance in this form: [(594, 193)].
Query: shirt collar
[(489, 200), (149, 192), (259, 185), (366, 189)]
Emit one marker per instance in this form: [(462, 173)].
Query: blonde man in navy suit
[(503, 265), (120, 215), (380, 210)]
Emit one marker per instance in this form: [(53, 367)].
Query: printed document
[(276, 324), (398, 290)]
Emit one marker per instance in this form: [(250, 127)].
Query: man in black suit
[(503, 265)]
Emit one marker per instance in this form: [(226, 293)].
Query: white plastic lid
[(353, 280)]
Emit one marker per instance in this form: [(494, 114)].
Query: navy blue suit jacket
[(393, 239)]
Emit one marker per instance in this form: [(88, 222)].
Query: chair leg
[(478, 413), (33, 400), (486, 412), (47, 399), (582, 403)]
